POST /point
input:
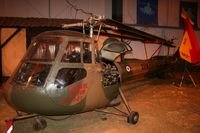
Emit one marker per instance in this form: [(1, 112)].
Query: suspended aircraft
[(66, 72)]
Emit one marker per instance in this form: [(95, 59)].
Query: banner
[(147, 12), (191, 9)]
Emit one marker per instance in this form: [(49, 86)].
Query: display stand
[(186, 71)]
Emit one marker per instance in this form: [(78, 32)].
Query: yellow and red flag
[(189, 48)]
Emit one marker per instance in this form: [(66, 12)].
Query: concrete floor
[(163, 107)]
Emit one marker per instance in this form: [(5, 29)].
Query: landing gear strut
[(132, 117)]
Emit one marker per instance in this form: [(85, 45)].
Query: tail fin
[(189, 48)]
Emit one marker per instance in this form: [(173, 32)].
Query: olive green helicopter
[(79, 69)]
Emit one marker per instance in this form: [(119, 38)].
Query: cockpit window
[(72, 52), (67, 76), (87, 50), (30, 73), (44, 49)]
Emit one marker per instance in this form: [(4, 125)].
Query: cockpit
[(55, 51)]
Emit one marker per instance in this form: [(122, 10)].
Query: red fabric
[(195, 55), (195, 51), (9, 125), (189, 28)]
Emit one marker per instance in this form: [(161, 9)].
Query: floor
[(163, 107)]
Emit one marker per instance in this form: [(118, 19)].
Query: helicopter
[(66, 72)]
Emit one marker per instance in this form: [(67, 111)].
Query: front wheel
[(39, 124), (133, 117)]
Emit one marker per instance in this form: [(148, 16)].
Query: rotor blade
[(73, 25), (127, 30)]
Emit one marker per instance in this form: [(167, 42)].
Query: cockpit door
[(111, 51)]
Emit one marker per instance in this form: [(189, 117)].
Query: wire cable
[(78, 9)]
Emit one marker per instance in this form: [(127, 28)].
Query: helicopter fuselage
[(65, 73), (59, 75)]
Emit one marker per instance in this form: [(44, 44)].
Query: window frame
[(89, 41), (59, 76)]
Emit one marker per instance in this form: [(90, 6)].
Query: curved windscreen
[(44, 49), (72, 52), (67, 76), (30, 73)]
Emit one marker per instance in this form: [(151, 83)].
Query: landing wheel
[(39, 124), (133, 117)]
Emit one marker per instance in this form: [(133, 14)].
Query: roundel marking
[(128, 69)]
